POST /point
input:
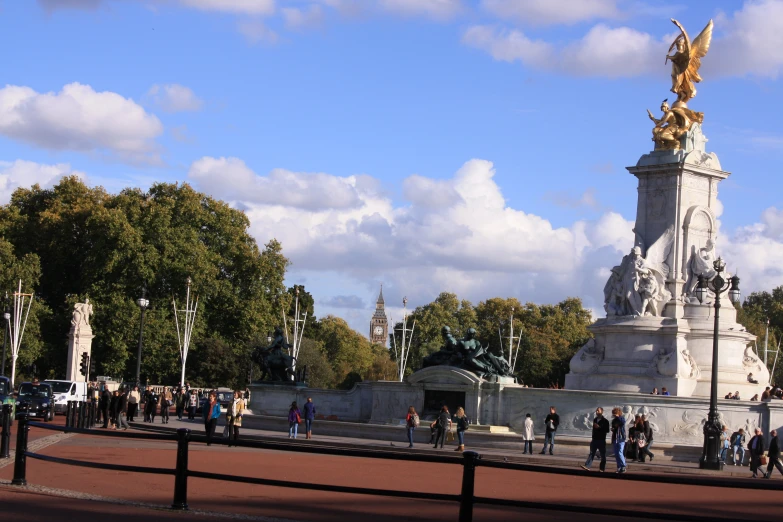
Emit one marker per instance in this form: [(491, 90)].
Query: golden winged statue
[(686, 62)]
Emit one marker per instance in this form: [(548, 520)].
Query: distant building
[(379, 325)]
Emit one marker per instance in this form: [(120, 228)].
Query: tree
[(758, 308), (319, 372), (347, 350), (107, 247)]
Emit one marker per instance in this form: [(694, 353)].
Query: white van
[(65, 391)]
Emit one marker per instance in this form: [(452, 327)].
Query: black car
[(36, 399)]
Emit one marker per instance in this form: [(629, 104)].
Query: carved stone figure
[(673, 126), (275, 363), (664, 363), (690, 370), (587, 359), (467, 354), (638, 285), (687, 61), (81, 315), (753, 364), (700, 264)]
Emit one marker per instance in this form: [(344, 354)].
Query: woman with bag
[(164, 401), (294, 419), (411, 423), (462, 422), (210, 412), (234, 417)]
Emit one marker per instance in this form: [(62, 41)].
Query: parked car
[(65, 392), (7, 396), (36, 399)]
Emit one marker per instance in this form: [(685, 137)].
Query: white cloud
[(251, 7), (255, 31), (295, 18), (175, 98), (21, 173), (547, 12), (614, 53), (79, 118), (510, 46), (51, 5), (436, 9)]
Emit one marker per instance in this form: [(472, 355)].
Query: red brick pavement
[(298, 504)]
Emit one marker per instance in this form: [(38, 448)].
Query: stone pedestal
[(669, 345), (79, 342)]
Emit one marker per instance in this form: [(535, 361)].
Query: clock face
[(378, 330)]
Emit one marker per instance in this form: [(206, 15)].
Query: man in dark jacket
[(105, 405), (122, 408), (738, 446), (152, 405), (598, 442), (756, 448), (618, 439), (551, 422), (648, 440), (773, 453)]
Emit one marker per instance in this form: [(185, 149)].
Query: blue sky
[(476, 146)]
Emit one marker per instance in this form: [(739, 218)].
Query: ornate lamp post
[(143, 303), (7, 317), (710, 457)]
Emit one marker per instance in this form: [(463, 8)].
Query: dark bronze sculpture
[(467, 354), (274, 362)]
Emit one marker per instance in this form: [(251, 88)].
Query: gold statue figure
[(686, 62), (673, 125)]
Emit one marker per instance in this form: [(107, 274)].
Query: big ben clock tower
[(379, 325)]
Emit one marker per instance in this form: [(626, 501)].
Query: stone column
[(79, 340)]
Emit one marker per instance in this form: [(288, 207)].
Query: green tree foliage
[(107, 247), (756, 310), (319, 372)]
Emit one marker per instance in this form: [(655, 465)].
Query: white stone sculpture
[(664, 363), (752, 364), (81, 315), (638, 285), (690, 370), (700, 264), (587, 359)]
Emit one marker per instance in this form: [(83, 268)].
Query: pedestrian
[(551, 422), (442, 425), (756, 449), (121, 410), (294, 418), (648, 438), (152, 404), (654, 392), (164, 402), (192, 405), (309, 416), (725, 438), (528, 436), (463, 422), (630, 443), (664, 391), (105, 406), (179, 402), (773, 454), (598, 440), (411, 423), (234, 417), (134, 398), (618, 439), (738, 446), (210, 413), (114, 406)]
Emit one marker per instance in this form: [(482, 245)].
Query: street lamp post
[(7, 317), (143, 303), (710, 457)]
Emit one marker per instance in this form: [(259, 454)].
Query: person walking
[(105, 404), (773, 454), (598, 440), (738, 446), (528, 436), (192, 405), (725, 444), (234, 417), (618, 439), (551, 422), (114, 405), (309, 416), (180, 400), (411, 423), (134, 399), (294, 418), (647, 433), (462, 422), (442, 424), (121, 411), (152, 404), (756, 449), (210, 413), (164, 402)]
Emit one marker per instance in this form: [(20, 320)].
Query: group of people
[(628, 442), (734, 444), (440, 427), (295, 417), (663, 392)]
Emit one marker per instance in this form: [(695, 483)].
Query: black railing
[(469, 461)]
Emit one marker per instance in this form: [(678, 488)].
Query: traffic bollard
[(5, 436), (181, 472), (468, 483), (20, 463)]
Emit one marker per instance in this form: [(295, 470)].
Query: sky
[(471, 146)]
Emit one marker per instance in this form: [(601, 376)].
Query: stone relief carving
[(690, 370), (693, 423), (700, 264), (657, 204), (674, 363), (754, 365), (588, 358), (638, 285)]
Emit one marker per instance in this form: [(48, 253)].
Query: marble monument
[(79, 340)]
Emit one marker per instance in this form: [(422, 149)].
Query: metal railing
[(470, 461)]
